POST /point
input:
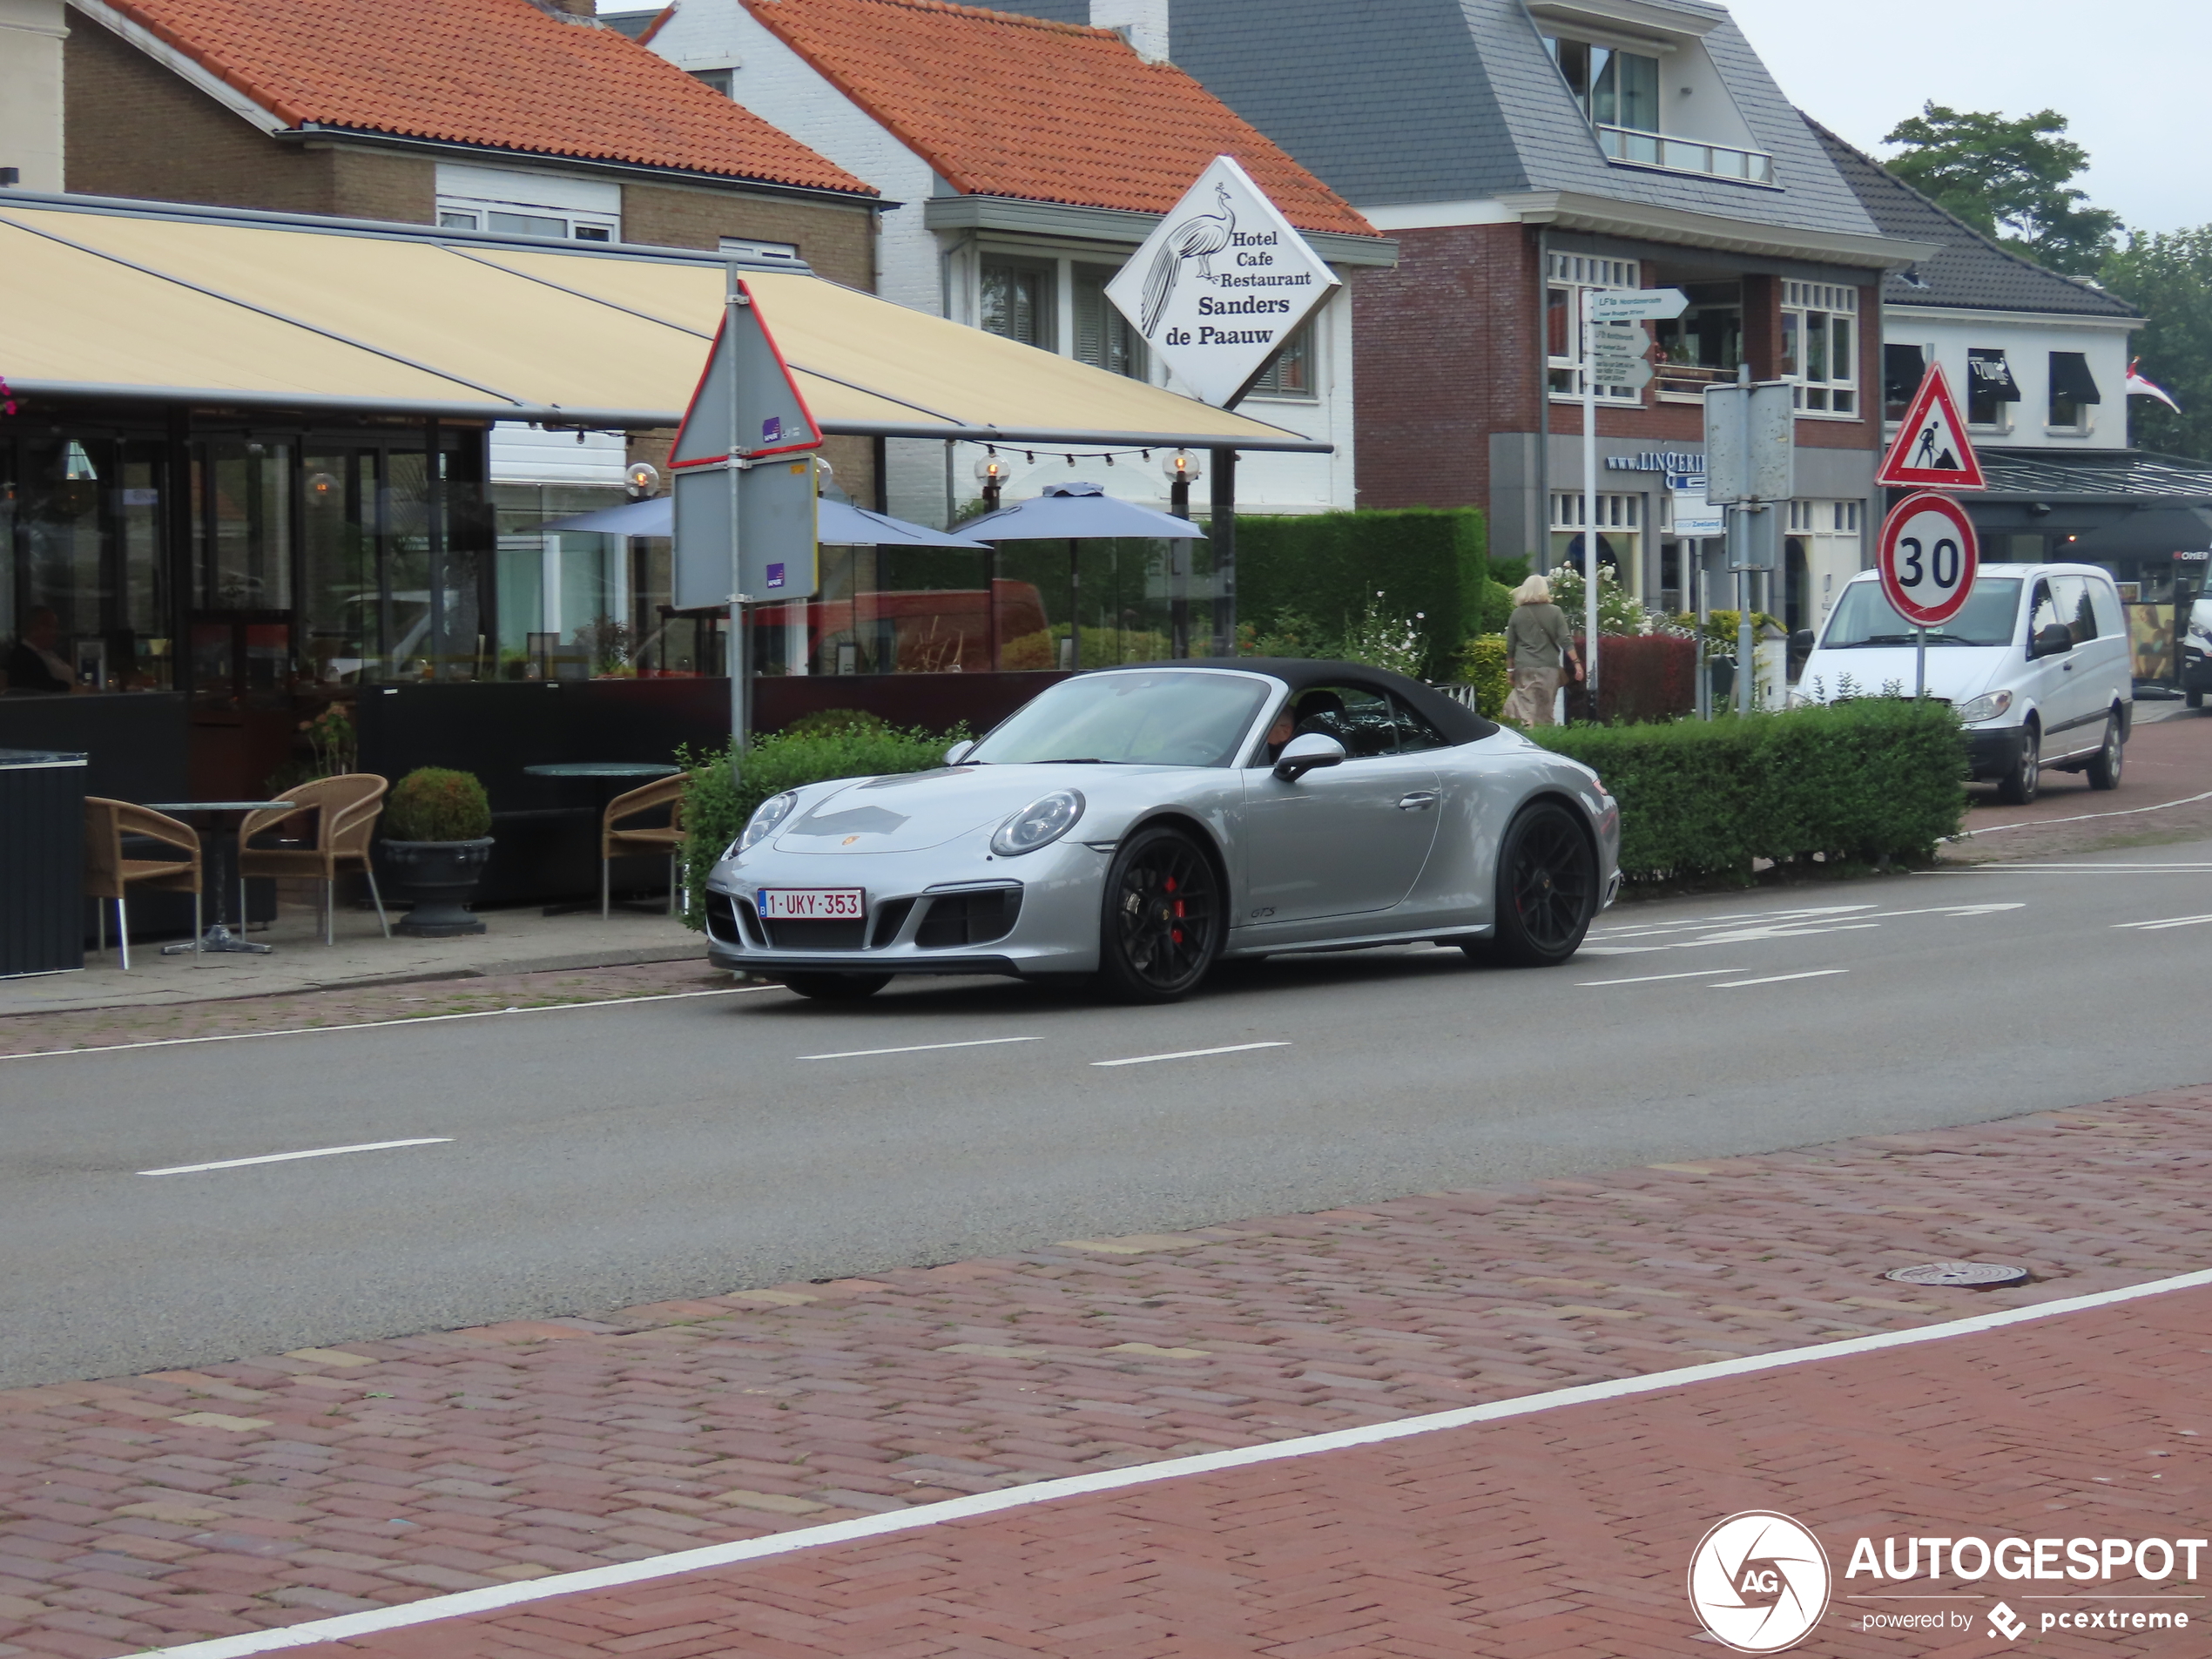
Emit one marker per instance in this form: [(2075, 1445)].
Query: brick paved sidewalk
[(2169, 760), (279, 1490), (1568, 1534)]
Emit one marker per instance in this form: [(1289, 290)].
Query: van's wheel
[(1162, 923), (2104, 770), (837, 987), (2018, 787), (1547, 891), (2194, 699)]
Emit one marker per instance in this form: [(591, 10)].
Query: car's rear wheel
[(1546, 890), (2194, 699), (1161, 926), (2112, 755), (837, 987), (2018, 787)]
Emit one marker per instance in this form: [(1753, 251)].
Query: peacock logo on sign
[(1222, 281)]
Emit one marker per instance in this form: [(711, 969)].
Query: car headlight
[(1043, 821), (770, 812), (1987, 706)]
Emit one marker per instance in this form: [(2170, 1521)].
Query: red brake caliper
[(1176, 933)]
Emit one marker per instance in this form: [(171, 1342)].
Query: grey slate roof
[(1971, 271), (1399, 101)]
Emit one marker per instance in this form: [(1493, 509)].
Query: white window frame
[(1830, 303), (786, 252), (1570, 273)]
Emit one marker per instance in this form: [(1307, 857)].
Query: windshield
[(1170, 718), (1863, 617)]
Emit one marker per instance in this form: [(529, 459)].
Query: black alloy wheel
[(2018, 787), (1162, 924), (837, 987), (1546, 890), (2111, 757)]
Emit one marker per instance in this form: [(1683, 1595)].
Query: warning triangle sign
[(1931, 451), (746, 404)]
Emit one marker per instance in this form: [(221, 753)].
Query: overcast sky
[(2128, 75)]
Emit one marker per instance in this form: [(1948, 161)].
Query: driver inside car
[(1321, 711)]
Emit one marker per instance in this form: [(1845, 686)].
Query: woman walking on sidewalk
[(1538, 644)]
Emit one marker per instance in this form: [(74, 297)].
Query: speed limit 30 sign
[(1928, 556)]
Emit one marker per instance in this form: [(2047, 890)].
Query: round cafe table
[(223, 819), (605, 774)]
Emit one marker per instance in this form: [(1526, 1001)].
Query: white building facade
[(1033, 270)]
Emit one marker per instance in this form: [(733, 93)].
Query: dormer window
[(1616, 89), (1665, 108)]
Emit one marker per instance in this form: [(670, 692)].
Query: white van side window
[(2106, 601), (2072, 599)]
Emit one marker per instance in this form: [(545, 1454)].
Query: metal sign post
[(1614, 348), (1751, 467), (744, 488)]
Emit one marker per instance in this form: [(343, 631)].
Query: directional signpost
[(1615, 345), (743, 486), (1928, 554)]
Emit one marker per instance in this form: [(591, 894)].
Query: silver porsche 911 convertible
[(1140, 823)]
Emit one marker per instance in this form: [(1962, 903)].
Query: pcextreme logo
[(1759, 1581)]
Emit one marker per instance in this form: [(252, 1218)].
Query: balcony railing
[(1691, 378), (1686, 155)]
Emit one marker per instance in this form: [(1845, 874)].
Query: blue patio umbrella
[(1076, 512), (838, 524)]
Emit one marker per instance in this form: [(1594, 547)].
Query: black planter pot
[(438, 876)]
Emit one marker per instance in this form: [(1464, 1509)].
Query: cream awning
[(208, 306)]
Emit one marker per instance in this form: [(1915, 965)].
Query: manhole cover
[(1980, 1275)]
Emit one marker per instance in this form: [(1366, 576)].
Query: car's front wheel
[(1546, 890), (2018, 787), (837, 987), (1161, 926)]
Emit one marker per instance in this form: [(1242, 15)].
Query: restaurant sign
[(1221, 284)]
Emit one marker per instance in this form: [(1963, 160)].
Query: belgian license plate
[(814, 904)]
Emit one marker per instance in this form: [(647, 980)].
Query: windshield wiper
[(1071, 760)]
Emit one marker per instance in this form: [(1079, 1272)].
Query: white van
[(2036, 662)]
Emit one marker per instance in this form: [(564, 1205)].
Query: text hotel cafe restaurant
[(243, 479)]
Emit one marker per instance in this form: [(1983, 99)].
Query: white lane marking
[(2170, 921), (2007, 868), (2125, 812), (917, 1048), (1646, 979), (1777, 979), (1188, 1053), (490, 1599), (372, 1025), (287, 1157)]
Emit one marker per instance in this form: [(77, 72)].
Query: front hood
[(1956, 673), (911, 811)]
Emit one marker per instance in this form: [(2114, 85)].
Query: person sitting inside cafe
[(33, 666)]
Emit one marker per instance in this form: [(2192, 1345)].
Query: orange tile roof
[(498, 73), (1004, 105)]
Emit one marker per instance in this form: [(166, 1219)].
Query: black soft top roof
[(1459, 723)]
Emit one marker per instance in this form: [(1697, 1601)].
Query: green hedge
[(1874, 779), (1328, 566), (716, 805)]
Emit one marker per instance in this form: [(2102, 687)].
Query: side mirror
[(2052, 639), (959, 752), (1303, 754), (1802, 640)]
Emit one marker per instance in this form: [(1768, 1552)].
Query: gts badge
[(1263, 913)]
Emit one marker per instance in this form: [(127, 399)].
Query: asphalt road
[(593, 1157)]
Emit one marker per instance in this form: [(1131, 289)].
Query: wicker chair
[(109, 874), (345, 811), (666, 841)]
